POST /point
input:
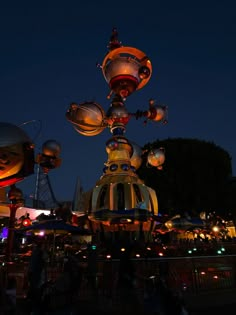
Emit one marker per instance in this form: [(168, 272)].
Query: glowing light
[(4, 232), (137, 255), (160, 254), (215, 229), (26, 222), (108, 256), (184, 286), (122, 249), (169, 225)]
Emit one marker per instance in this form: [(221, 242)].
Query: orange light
[(26, 222)]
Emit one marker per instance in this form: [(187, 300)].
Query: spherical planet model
[(156, 157), (126, 69), (87, 118), (118, 113), (51, 148), (160, 114)]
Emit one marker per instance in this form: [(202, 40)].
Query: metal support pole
[(11, 227)]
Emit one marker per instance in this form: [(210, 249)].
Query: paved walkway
[(221, 303)]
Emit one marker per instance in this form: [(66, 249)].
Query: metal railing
[(188, 275)]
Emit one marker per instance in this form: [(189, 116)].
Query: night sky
[(49, 50)]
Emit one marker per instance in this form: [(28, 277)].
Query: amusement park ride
[(120, 200), (17, 161)]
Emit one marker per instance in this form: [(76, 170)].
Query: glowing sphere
[(117, 114), (26, 222), (118, 111), (87, 118), (156, 157), (160, 113), (51, 148), (126, 69), (144, 72)]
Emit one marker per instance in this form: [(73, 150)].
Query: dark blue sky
[(48, 59)]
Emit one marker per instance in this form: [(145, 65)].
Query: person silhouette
[(37, 276), (126, 284)]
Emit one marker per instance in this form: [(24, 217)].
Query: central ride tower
[(120, 201)]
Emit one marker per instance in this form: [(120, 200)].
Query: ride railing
[(187, 275)]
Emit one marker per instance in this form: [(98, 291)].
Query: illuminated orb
[(126, 69), (87, 118), (156, 157), (160, 114), (51, 148)]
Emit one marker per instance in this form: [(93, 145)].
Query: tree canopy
[(194, 178)]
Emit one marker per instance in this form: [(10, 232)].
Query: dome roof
[(11, 134)]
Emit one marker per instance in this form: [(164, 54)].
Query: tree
[(194, 175)]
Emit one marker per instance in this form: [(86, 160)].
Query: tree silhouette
[(194, 176)]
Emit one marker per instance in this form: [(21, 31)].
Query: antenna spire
[(114, 41)]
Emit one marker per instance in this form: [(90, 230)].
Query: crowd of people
[(61, 294)]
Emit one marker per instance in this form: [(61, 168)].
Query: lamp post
[(15, 197)]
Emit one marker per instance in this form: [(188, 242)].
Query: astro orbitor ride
[(120, 200)]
